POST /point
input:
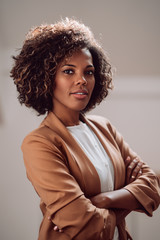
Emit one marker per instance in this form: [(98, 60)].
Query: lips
[(80, 92)]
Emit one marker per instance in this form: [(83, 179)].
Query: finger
[(130, 174), (128, 161), (131, 164), (132, 178), (137, 171), (56, 228), (131, 167)]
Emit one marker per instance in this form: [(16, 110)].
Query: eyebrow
[(71, 65)]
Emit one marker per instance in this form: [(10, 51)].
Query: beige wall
[(129, 31)]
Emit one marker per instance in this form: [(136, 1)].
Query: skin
[(74, 84)]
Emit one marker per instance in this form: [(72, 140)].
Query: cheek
[(93, 84), (59, 85)]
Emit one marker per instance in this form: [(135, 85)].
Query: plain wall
[(129, 32)]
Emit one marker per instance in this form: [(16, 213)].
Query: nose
[(81, 80)]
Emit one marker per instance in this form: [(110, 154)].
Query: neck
[(71, 119)]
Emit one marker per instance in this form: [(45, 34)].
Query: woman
[(86, 175)]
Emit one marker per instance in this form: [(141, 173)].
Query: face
[(74, 83)]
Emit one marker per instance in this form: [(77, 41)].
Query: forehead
[(82, 55)]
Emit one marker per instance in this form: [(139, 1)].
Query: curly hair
[(44, 48)]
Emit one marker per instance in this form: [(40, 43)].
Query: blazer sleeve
[(47, 169), (146, 187)]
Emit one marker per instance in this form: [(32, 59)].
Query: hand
[(133, 169), (55, 228)]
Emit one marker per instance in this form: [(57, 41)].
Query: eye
[(90, 72), (68, 71)]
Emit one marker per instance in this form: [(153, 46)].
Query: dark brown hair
[(44, 48)]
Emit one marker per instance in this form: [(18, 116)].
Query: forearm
[(121, 199)]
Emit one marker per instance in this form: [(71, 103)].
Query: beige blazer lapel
[(115, 156), (81, 167)]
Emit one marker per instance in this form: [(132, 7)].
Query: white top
[(94, 150)]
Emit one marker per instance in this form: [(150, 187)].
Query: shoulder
[(42, 135)]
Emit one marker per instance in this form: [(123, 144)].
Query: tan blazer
[(64, 178)]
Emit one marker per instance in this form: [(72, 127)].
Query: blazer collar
[(59, 128), (52, 122)]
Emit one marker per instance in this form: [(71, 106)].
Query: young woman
[(86, 175)]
